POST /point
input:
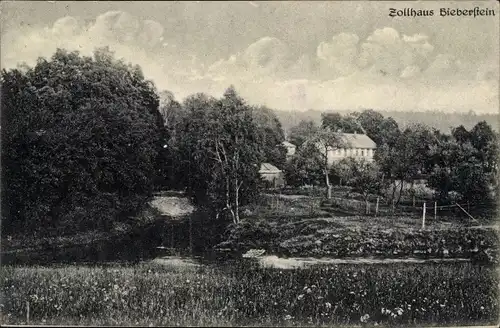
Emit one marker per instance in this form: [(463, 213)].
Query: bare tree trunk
[(328, 186), (394, 186), (233, 215), (400, 191), (327, 179), (237, 199), (228, 202)]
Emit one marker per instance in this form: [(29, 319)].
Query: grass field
[(244, 294)]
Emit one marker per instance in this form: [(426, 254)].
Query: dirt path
[(172, 206), (302, 262)]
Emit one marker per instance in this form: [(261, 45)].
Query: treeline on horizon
[(439, 120)]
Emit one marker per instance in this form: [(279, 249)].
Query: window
[(362, 153), (356, 152)]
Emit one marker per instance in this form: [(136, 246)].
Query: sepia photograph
[(250, 163)]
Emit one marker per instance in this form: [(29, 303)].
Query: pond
[(276, 262)]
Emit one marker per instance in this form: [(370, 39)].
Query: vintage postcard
[(250, 163)]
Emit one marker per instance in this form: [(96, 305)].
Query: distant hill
[(436, 119)]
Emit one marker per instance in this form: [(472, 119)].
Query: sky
[(287, 55)]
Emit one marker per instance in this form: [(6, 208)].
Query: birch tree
[(327, 141), (222, 151)]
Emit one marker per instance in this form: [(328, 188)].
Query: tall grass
[(244, 294)]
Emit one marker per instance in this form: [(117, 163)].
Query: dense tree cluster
[(86, 140), (465, 162), (462, 162), (81, 139), (217, 147)]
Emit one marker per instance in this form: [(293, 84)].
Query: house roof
[(288, 144), (358, 141), (268, 168), (353, 140)]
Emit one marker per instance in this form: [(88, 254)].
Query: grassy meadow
[(246, 294)]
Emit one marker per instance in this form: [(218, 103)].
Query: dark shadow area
[(193, 235)]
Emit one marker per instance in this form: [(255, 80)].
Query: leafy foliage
[(363, 176), (81, 138), (271, 133), (465, 163), (383, 131), (336, 122), (220, 149), (302, 132), (305, 168)]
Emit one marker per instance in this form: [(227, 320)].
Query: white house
[(290, 148), (354, 145)]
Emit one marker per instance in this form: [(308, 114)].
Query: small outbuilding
[(272, 176), (290, 148)]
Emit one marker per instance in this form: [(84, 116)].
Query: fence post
[(27, 312), (468, 214), (172, 236), (376, 206), (435, 210), (423, 217), (393, 207), (413, 200), (191, 234)]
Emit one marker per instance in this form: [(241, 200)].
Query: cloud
[(135, 40), (488, 71), (337, 56), (302, 68), (65, 27), (385, 51), (443, 66), (268, 56), (386, 70), (115, 26), (386, 35), (410, 71), (152, 33), (415, 38)]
